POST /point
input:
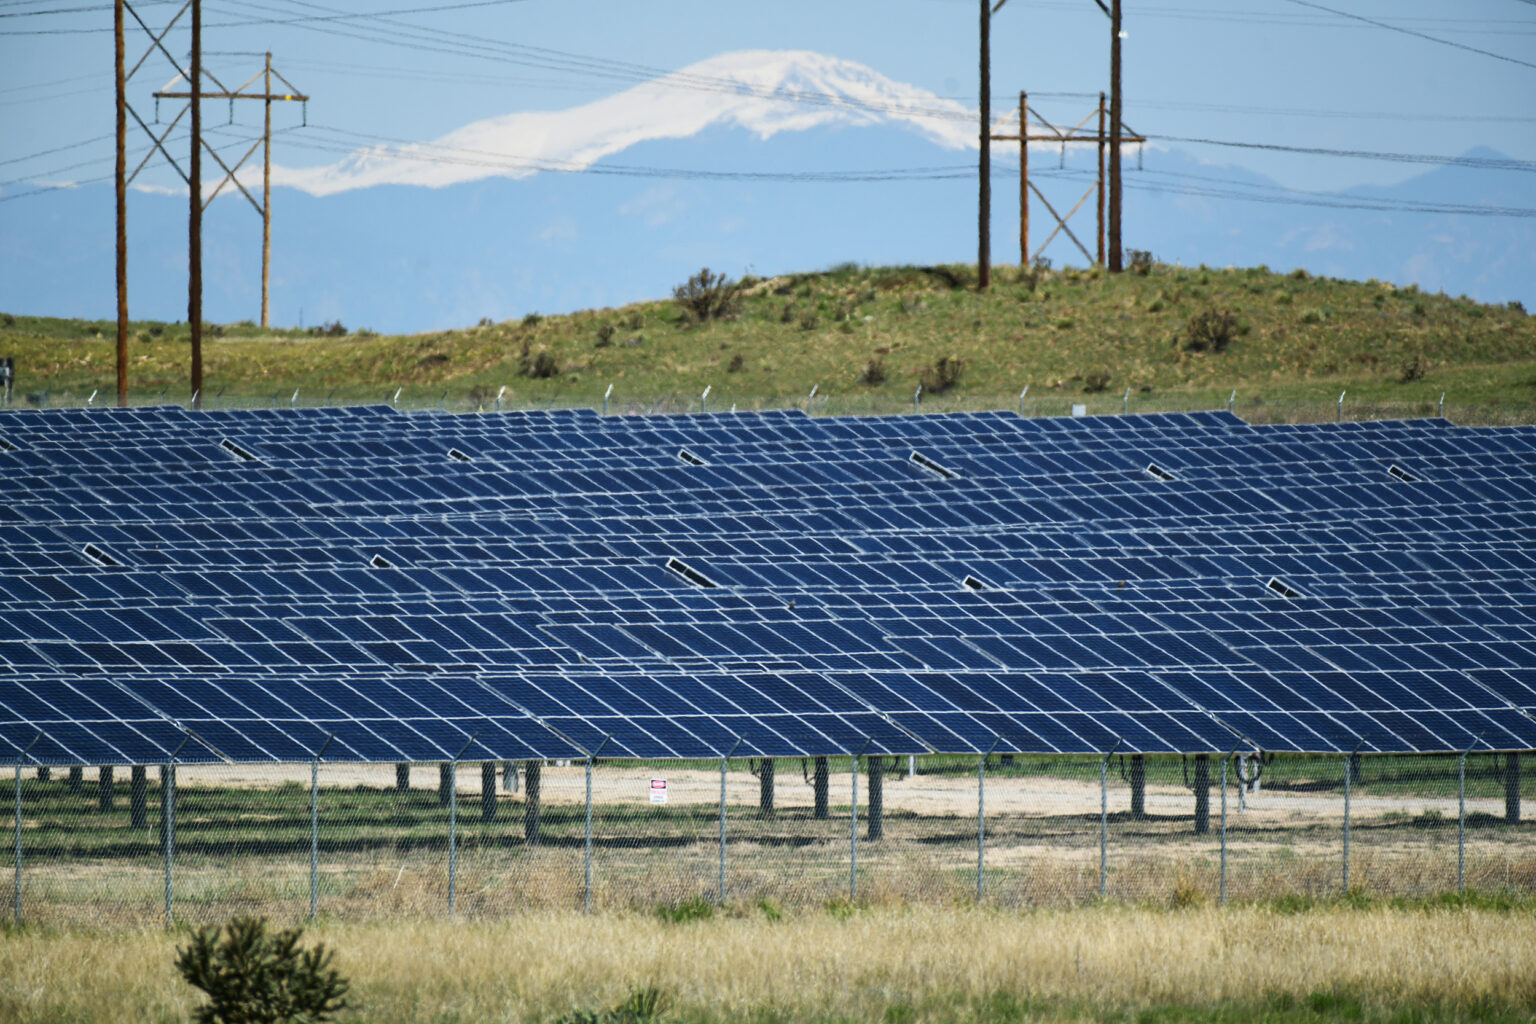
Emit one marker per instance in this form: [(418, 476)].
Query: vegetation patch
[(1303, 340)]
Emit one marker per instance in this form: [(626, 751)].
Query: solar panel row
[(254, 585)]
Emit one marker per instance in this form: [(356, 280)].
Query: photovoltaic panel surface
[(417, 587)]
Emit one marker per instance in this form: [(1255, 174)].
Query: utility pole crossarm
[(236, 95)]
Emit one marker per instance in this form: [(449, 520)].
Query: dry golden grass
[(930, 963)]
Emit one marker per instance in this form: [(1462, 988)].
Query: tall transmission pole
[(1116, 110), (122, 206), (1078, 133), (266, 187), (267, 96), (195, 212), (984, 202)]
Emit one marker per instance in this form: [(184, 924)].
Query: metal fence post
[(853, 826), (314, 828), (723, 762), (1225, 761), (168, 828), (453, 825), (1461, 818), (981, 816), (168, 820), (1348, 773), (587, 857), (314, 837), (1104, 819), (17, 892), (453, 834)]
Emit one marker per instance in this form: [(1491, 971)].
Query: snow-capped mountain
[(415, 237), (763, 92)]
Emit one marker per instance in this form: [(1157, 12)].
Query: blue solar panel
[(1122, 606)]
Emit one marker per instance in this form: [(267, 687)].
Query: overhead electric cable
[(1481, 163), (1412, 32)]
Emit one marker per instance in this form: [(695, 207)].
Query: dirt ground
[(927, 795)]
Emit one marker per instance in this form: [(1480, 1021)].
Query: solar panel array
[(259, 585)]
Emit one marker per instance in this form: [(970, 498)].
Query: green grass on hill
[(865, 338)]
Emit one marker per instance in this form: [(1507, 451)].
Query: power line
[(338, 16), (56, 149), (1412, 32), (434, 153), (1477, 162), (1279, 194)]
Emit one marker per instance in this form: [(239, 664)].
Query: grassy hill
[(1177, 337)]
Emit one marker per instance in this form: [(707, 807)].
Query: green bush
[(706, 296), (1210, 330), (251, 977), (642, 1007), (942, 375), (695, 908)]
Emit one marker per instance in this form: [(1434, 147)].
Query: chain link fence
[(127, 847), (1254, 408)]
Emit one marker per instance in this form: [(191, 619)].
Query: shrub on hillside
[(1210, 330), (707, 296), (540, 365), (1139, 261), (942, 375), (874, 372)]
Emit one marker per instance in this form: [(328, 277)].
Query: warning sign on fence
[(658, 791)]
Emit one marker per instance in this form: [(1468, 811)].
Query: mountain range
[(762, 162)]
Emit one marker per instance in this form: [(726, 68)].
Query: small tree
[(706, 296), (255, 978)]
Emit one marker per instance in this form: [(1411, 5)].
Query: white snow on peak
[(762, 91)]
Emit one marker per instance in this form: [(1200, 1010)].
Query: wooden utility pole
[(125, 110), (1023, 181), (1101, 180), (267, 96), (1045, 131), (195, 212), (122, 205), (1116, 111), (266, 189), (984, 205)]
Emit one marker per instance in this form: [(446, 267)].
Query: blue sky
[(1276, 72)]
